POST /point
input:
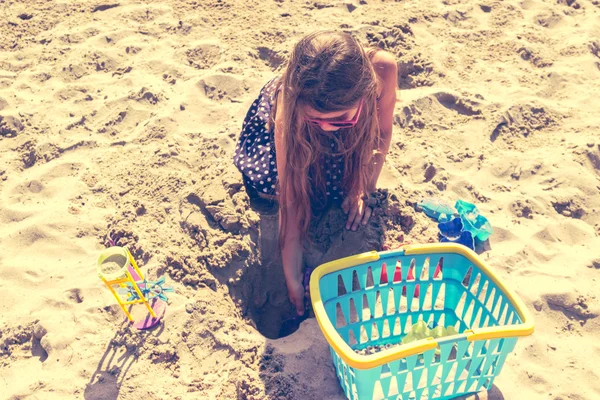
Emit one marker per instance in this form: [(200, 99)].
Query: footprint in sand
[(145, 95), (593, 156), (53, 341), (550, 20), (72, 72), (577, 308), (595, 48), (31, 153), (522, 120), (8, 216), (121, 119), (223, 87), (436, 110), (430, 171), (272, 58), (28, 153), (132, 49), (34, 186), (158, 130), (10, 126), (569, 208), (536, 55), (75, 37), (144, 13), (570, 3), (74, 94), (461, 105), (49, 185), (522, 209), (455, 17), (203, 55), (89, 63), (74, 295)]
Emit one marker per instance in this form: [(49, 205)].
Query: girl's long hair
[(328, 71)]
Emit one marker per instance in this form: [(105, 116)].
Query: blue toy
[(465, 238), (464, 229), (451, 229), (474, 222), (438, 209)]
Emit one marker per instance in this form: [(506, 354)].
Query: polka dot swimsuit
[(255, 153)]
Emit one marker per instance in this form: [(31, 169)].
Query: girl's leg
[(268, 197), (260, 202)]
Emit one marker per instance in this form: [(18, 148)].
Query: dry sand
[(122, 117)]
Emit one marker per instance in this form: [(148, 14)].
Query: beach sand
[(121, 118)]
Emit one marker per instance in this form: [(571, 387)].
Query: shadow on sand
[(120, 354)]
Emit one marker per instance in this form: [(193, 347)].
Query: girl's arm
[(387, 73), (387, 70), (292, 260)]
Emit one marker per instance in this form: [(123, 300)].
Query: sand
[(113, 263), (120, 118)]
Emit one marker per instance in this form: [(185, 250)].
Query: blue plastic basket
[(356, 306)]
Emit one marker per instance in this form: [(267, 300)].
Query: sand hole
[(267, 303)]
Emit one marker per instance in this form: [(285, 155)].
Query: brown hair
[(328, 71)]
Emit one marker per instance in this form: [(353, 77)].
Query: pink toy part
[(398, 274), (134, 274), (159, 308)]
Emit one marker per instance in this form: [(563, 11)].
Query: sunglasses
[(339, 124)]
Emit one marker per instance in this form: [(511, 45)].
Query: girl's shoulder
[(386, 68), (383, 61)]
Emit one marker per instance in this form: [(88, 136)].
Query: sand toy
[(453, 232), (473, 221), (438, 209), (451, 229), (465, 238), (119, 272), (462, 224), (421, 330)]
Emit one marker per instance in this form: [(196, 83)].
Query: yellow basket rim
[(358, 361)]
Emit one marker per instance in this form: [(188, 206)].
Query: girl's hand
[(357, 211), (296, 294)]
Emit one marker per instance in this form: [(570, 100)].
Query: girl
[(319, 134)]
